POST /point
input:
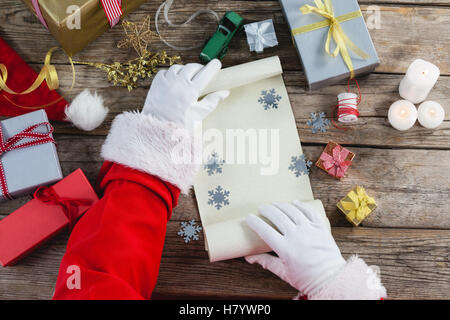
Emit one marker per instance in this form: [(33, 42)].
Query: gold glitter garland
[(128, 74)]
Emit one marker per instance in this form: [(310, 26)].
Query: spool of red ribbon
[(347, 106)]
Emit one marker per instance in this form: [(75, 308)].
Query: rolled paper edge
[(234, 239), (243, 74)]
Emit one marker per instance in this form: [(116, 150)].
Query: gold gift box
[(93, 20), (356, 205)]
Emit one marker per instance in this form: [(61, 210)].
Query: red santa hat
[(86, 111)]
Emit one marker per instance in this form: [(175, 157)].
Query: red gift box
[(335, 160), (47, 214)]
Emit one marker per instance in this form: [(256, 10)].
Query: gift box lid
[(28, 168), (35, 222), (320, 68)]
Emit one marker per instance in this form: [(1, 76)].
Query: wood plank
[(411, 186), (379, 91), (405, 272), (427, 36), (410, 183), (186, 272)]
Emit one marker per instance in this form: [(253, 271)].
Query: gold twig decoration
[(127, 74)]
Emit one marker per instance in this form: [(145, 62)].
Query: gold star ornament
[(137, 36)]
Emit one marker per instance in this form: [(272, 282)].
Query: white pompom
[(87, 111)]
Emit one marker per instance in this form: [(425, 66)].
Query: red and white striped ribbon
[(113, 11)]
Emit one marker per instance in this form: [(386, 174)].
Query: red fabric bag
[(20, 77)]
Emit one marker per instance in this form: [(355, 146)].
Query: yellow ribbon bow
[(359, 206), (343, 43), (48, 73)]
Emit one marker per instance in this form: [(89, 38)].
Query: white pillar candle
[(347, 100), (418, 81), (402, 115), (431, 114)]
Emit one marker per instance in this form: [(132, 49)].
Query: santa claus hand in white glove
[(174, 94), (308, 257), (159, 140)]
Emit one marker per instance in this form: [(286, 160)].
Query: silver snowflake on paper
[(214, 164), (269, 99), (300, 166), (218, 197), (318, 122), (189, 230)]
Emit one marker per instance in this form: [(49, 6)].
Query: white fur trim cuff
[(355, 281), (145, 143)]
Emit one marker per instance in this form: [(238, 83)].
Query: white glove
[(307, 253), (174, 94)]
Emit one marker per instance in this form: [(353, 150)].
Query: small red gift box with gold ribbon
[(52, 209), (335, 160)]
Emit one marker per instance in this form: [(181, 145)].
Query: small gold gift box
[(356, 205)]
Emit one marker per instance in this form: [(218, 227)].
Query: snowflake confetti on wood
[(300, 166), (318, 122), (269, 99), (189, 230), (218, 197), (214, 164)]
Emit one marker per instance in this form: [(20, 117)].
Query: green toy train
[(217, 45)]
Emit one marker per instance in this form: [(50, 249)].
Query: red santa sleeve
[(115, 249)]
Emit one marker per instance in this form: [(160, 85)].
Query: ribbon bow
[(336, 164), (343, 43), (13, 143), (359, 206), (261, 39), (70, 206)]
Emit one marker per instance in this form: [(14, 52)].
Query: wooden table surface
[(408, 173)]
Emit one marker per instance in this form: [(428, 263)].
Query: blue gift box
[(322, 69), (28, 168)]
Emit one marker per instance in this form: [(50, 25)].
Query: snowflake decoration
[(189, 230), (269, 99), (218, 197), (318, 122), (300, 166), (214, 164)]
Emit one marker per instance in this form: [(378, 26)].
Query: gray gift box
[(320, 68), (28, 168)]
